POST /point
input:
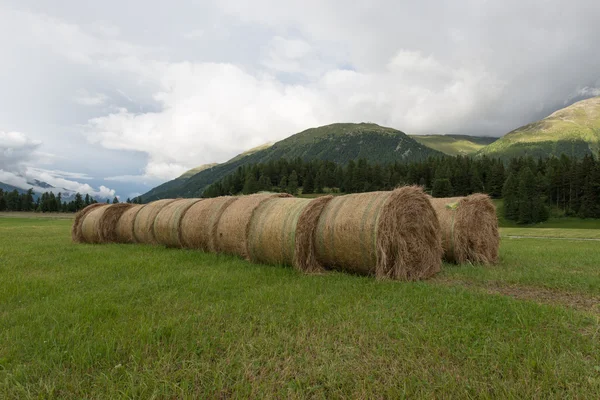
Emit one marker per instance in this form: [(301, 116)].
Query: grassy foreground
[(129, 321)]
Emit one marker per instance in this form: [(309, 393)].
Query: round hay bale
[(282, 232), (143, 227), (392, 234), (167, 224), (76, 233), (234, 224), (124, 229), (469, 228), (90, 227), (109, 219), (199, 224)]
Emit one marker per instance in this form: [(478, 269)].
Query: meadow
[(136, 321)]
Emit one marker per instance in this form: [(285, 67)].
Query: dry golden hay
[(109, 219), (469, 228), (199, 224), (282, 232), (90, 227), (143, 227), (124, 228), (76, 233), (234, 224), (392, 234), (167, 224)]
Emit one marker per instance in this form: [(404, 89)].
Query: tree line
[(48, 201), (529, 187)]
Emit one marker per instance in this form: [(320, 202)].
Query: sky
[(116, 97)]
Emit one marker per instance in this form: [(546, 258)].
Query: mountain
[(9, 188), (455, 145), (574, 131), (337, 142)]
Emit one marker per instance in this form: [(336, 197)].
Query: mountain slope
[(454, 145), (574, 131), (337, 142)]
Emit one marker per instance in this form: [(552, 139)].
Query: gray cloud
[(138, 93)]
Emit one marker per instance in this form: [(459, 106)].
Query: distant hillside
[(574, 131), (337, 142), (454, 145), (9, 188)]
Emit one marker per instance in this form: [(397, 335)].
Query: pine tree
[(264, 183), (78, 202), (87, 200), (115, 200), (292, 187), (250, 184), (3, 205), (319, 181), (441, 188), (283, 183), (309, 185), (511, 198)]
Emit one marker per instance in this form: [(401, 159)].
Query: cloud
[(15, 149), (90, 99), (236, 74), (19, 151)]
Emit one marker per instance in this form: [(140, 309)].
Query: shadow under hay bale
[(167, 224), (143, 227), (392, 234), (282, 231), (234, 224), (469, 227), (76, 230), (124, 228)]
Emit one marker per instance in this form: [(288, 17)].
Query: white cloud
[(85, 98), (264, 70), (18, 152), (194, 34)]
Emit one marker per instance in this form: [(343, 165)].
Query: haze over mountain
[(118, 97)]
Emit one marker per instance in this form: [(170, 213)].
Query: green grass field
[(134, 321)]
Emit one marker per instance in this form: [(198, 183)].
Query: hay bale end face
[(76, 230), (392, 234), (143, 226), (282, 232), (234, 224), (199, 224), (90, 227), (124, 228), (167, 224), (469, 227)]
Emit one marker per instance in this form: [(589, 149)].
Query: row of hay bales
[(401, 234)]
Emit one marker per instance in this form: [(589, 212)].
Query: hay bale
[(282, 232), (392, 234), (90, 227), (143, 226), (234, 224), (469, 228), (167, 224), (199, 224), (109, 220), (124, 228), (76, 233)]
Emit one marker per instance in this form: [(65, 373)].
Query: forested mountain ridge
[(573, 131), (337, 143)]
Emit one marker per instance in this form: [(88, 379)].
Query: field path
[(578, 301)]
